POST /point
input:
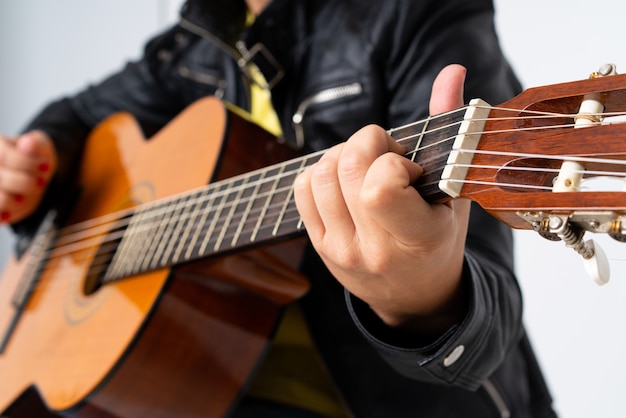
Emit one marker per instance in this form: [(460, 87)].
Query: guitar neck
[(242, 211), (254, 208)]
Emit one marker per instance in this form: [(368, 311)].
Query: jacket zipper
[(497, 399), (202, 78), (323, 96)]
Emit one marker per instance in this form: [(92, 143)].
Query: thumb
[(35, 143), (447, 90), (38, 145)]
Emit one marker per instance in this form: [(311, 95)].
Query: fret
[(216, 217), (279, 196), (282, 213), (273, 186), (200, 200), (207, 209), (163, 233), (232, 199), (135, 242), (138, 241), (157, 228), (177, 222), (288, 202), (249, 200), (418, 143), (126, 256), (98, 272), (115, 266), (431, 146)]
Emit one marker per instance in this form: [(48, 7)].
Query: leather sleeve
[(490, 330), (461, 33)]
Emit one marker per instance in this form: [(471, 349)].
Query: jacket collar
[(271, 42)]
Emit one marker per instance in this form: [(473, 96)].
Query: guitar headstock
[(553, 159)]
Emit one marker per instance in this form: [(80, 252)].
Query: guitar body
[(182, 341), (177, 341)]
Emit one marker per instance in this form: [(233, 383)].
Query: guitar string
[(100, 225), (291, 215), (105, 219), (96, 262), (294, 217), (121, 214), (114, 217), (238, 217), (151, 226)]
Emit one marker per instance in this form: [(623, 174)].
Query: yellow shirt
[(292, 372)]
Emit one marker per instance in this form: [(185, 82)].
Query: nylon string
[(89, 234)]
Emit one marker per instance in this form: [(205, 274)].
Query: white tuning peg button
[(597, 266)]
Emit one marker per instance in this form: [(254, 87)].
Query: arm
[(416, 291), (459, 32), (354, 202)]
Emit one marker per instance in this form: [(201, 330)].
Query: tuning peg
[(605, 70), (597, 266), (595, 260)]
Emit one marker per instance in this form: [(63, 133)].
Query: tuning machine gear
[(594, 259), (571, 230)]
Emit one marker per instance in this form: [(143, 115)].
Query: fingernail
[(19, 198), (44, 167), (5, 216), (41, 182)]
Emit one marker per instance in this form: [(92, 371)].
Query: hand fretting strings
[(211, 203)]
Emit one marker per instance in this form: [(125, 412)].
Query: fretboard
[(254, 208)]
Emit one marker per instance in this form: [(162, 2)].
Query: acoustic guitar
[(158, 293)]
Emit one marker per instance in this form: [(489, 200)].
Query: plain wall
[(53, 48), (576, 326), (49, 48)]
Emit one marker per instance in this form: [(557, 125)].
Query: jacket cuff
[(464, 355)]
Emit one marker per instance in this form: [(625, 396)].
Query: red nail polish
[(44, 167), (41, 182), (19, 198), (5, 216)]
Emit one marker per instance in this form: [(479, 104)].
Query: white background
[(576, 326), (49, 48)]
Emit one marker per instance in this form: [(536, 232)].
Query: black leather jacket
[(334, 66)]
